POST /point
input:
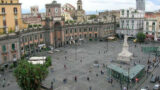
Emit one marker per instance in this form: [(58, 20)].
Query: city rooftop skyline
[(89, 5)]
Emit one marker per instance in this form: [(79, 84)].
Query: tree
[(141, 37), (92, 17), (29, 76)]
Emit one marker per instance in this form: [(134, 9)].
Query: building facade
[(34, 18), (140, 5), (107, 16), (150, 28), (10, 16), (131, 22), (28, 42), (152, 25), (9, 48), (70, 9)]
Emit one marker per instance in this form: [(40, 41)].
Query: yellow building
[(10, 16)]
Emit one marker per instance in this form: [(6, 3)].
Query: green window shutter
[(4, 48), (13, 46)]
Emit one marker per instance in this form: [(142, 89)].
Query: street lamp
[(128, 80)]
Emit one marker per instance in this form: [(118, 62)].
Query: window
[(127, 13), (3, 10), (26, 39), (95, 29), (30, 38), (16, 22), (35, 37), (122, 12), (79, 30), (4, 23), (90, 35), (96, 35), (66, 31), (14, 56), (71, 31), (41, 36), (4, 48), (13, 46), (153, 26), (49, 10), (15, 10), (4, 58), (75, 30), (85, 30), (85, 35)]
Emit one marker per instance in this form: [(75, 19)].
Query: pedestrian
[(103, 65), (3, 82), (88, 78), (65, 80), (111, 81), (75, 78), (81, 60), (51, 86), (124, 88), (65, 67), (52, 69), (97, 74), (90, 88), (65, 57), (102, 72), (54, 80)]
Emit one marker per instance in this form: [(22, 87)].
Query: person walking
[(3, 82), (75, 78), (65, 67), (90, 88), (88, 78)]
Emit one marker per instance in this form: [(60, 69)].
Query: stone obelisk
[(125, 55)]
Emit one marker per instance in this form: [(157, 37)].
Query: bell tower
[(80, 13), (79, 5)]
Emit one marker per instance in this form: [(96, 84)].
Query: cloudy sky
[(92, 5)]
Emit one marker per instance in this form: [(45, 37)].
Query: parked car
[(156, 87), (50, 52), (153, 79), (145, 88), (56, 50)]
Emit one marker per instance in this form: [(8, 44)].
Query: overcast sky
[(92, 5)]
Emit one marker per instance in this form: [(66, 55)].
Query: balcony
[(2, 13), (15, 13)]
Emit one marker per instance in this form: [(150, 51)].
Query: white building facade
[(131, 22)]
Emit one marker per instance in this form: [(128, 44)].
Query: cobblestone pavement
[(87, 53)]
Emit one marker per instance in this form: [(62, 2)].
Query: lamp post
[(128, 80)]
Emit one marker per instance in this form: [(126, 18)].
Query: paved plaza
[(77, 61)]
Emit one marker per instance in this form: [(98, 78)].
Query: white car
[(156, 87), (56, 50), (50, 52)]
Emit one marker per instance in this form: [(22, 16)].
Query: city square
[(79, 45), (80, 63)]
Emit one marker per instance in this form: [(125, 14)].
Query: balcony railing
[(2, 13)]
